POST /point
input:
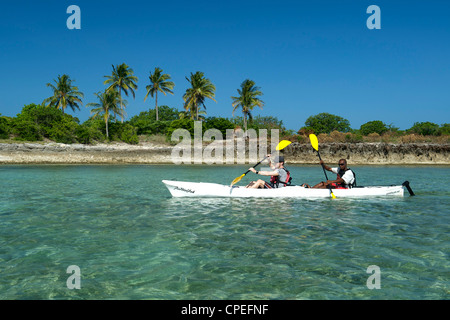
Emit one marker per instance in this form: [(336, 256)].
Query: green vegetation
[(48, 120), (159, 83), (266, 122), (326, 123), (247, 99), (201, 88), (122, 79), (326, 127), (37, 122), (64, 94), (376, 126), (108, 106), (5, 127), (425, 129), (146, 124)]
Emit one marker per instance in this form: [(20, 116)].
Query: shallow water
[(131, 240)]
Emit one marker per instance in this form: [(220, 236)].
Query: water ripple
[(131, 240)]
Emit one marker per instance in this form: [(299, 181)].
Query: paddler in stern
[(279, 176), (345, 177)]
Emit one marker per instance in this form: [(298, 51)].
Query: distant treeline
[(49, 121), (38, 122), (332, 128)]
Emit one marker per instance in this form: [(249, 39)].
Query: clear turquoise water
[(131, 240)]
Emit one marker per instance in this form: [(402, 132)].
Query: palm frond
[(64, 94)]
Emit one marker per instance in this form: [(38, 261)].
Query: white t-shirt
[(348, 176)]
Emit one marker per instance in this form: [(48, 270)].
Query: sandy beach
[(149, 153)]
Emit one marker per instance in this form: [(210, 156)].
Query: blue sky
[(308, 57)]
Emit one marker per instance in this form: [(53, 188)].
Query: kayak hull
[(214, 190)]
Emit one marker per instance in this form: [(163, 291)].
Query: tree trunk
[(245, 121), (156, 105), (121, 106)]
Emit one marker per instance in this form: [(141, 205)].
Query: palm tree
[(247, 99), (64, 94), (201, 88), (108, 106), (122, 79), (187, 114), (158, 82)]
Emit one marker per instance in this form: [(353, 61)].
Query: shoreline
[(150, 153)]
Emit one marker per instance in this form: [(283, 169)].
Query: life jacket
[(275, 180), (341, 173)]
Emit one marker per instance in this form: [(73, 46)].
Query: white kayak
[(204, 189)]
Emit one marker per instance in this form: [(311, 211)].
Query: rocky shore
[(373, 153), (147, 153)]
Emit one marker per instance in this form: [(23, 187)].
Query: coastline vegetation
[(48, 120)]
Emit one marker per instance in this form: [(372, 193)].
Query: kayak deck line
[(215, 190)]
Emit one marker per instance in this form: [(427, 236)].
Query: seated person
[(280, 176), (345, 177)]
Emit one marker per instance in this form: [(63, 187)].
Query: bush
[(5, 127), (26, 130), (84, 134), (413, 138), (323, 138), (184, 123), (128, 134), (444, 130), (36, 122), (259, 122), (93, 129), (353, 137), (221, 124), (165, 113), (122, 132), (63, 131), (301, 139), (424, 129), (305, 131), (146, 122), (25, 124), (337, 136), (326, 123), (373, 137), (376, 126)]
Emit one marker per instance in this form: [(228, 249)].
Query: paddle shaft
[(283, 144), (323, 167), (324, 171), (256, 165), (315, 145)]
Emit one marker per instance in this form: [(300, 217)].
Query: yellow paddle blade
[(314, 141), (332, 195), (283, 144), (237, 179)]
